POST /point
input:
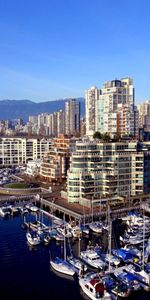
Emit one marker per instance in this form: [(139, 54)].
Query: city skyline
[(58, 49)]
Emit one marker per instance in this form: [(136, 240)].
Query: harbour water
[(25, 272)]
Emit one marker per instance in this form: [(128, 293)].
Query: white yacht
[(141, 276), (33, 239), (4, 211), (91, 258)]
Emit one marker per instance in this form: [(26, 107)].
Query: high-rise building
[(4, 125), (125, 120), (42, 119), (33, 119), (110, 108), (91, 98), (60, 122), (144, 114), (72, 117), (50, 124), (82, 127)]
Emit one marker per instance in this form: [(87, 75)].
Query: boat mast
[(143, 238), (79, 239), (52, 208), (64, 239), (42, 210), (100, 210), (109, 238), (92, 209), (83, 215)]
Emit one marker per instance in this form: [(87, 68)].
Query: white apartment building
[(15, 151), (104, 169)]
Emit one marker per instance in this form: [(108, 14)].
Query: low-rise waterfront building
[(100, 169), (16, 151)]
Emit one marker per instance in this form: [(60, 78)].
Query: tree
[(116, 138), (106, 137), (97, 135)]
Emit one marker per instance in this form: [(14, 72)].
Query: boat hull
[(62, 268), (32, 241)]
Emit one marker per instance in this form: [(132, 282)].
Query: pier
[(77, 212), (82, 213)]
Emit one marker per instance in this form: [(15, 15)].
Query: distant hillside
[(12, 109)]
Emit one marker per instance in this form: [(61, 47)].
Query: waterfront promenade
[(56, 204)]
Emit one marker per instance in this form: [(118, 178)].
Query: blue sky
[(52, 49)]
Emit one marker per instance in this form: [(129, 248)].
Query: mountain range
[(13, 109)]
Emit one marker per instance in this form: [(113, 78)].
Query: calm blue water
[(25, 273)]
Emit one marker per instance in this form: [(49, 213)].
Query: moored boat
[(115, 286), (93, 287), (4, 211), (96, 227), (33, 239), (76, 263), (91, 258), (62, 266)]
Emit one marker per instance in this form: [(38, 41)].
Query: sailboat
[(85, 227), (109, 258), (75, 262), (96, 227), (61, 265)]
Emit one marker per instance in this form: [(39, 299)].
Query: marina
[(65, 258), (74, 150)]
